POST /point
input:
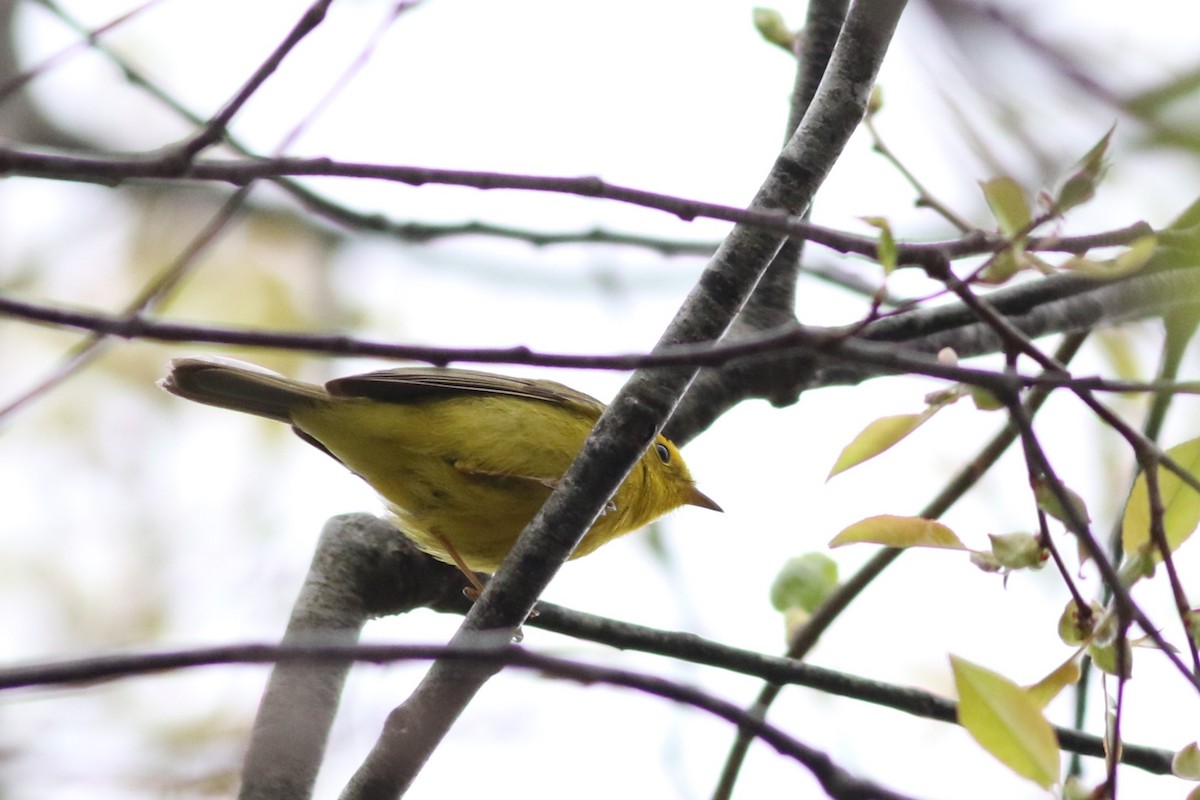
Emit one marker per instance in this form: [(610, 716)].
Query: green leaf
[(1080, 187), (895, 531), (1077, 190), (1128, 261), (1048, 502), (1018, 550), (1105, 656), (770, 25), (986, 561), (875, 102), (985, 400), (1006, 199), (1004, 265), (1136, 565), (1007, 722), (885, 250), (1181, 503), (878, 436), (1136, 256), (1186, 762), (1093, 162), (804, 582), (1066, 674)]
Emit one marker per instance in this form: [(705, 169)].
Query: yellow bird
[(463, 459)]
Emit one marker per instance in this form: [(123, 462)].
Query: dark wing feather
[(417, 384)]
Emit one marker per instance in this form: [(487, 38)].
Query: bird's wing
[(407, 385)]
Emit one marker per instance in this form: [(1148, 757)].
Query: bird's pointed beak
[(695, 497)]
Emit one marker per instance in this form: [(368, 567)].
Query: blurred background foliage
[(131, 519)]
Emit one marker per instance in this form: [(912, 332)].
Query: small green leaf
[(1075, 191), (1128, 261), (1066, 674), (985, 561), (895, 531), (1181, 503), (1006, 722), (770, 25), (1004, 265), (1104, 656), (951, 395), (1006, 199), (1080, 187), (1147, 643), (804, 582), (885, 250), (985, 400), (1048, 502), (1186, 763), (1018, 550), (1093, 162), (1136, 256), (1082, 265), (875, 101), (1138, 564), (878, 436)]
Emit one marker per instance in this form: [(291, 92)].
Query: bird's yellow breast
[(473, 470)]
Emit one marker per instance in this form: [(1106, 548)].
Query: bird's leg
[(476, 588)]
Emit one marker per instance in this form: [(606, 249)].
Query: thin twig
[(924, 196), (117, 170), (18, 82), (214, 130), (314, 653)]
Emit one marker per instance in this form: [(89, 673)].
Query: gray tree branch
[(414, 730), (362, 568)]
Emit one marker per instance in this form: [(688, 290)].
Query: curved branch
[(776, 366), (315, 655), (362, 568)]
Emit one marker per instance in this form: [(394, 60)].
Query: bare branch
[(115, 171), (362, 568), (316, 655)]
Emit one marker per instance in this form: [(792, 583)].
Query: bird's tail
[(241, 387)]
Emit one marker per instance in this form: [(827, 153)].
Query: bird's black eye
[(664, 455)]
